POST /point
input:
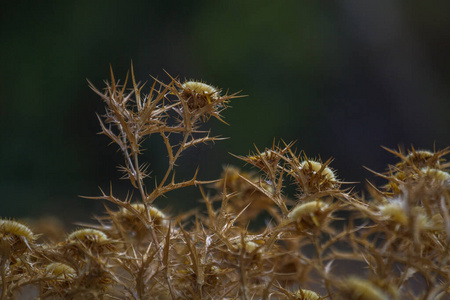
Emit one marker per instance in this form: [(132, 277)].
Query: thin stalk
[(172, 160), (243, 282), (314, 239), (139, 179), (3, 264)]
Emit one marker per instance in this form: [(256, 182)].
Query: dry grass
[(322, 242)]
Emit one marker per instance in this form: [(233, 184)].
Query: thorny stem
[(172, 159), (161, 256), (243, 278), (2, 268), (314, 238), (139, 179), (134, 167)]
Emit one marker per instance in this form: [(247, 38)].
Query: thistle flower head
[(313, 176), (88, 235), (60, 270), (397, 211), (156, 215), (14, 228), (317, 168), (249, 246), (304, 294), (91, 239), (266, 161), (394, 211), (15, 238), (199, 94), (200, 99), (436, 174), (418, 158), (360, 289), (310, 214)]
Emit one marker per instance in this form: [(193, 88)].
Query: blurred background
[(339, 77)]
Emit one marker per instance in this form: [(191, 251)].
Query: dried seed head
[(199, 94), (249, 246), (416, 166), (132, 222), (424, 223), (154, 212), (15, 238), (268, 155), (88, 235), (266, 161), (60, 270), (395, 211), (92, 239), (397, 180), (10, 228), (314, 166), (414, 218), (310, 214), (400, 178), (418, 157), (361, 289), (436, 174), (313, 176), (157, 216), (303, 294), (200, 87)]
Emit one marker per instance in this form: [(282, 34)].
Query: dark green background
[(341, 77)]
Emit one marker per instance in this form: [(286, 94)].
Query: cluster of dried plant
[(320, 242)]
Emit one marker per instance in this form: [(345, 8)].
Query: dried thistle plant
[(319, 240)]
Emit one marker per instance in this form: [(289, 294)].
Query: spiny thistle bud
[(436, 174), (60, 277), (316, 168), (200, 99), (400, 178), (248, 245), (394, 211), (418, 157), (157, 216), (415, 166), (359, 289), (90, 238), (303, 294), (425, 223), (90, 235), (15, 238), (399, 215), (199, 94), (310, 214), (265, 161), (313, 176), (60, 270), (13, 228)]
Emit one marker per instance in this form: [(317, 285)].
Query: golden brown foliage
[(320, 242)]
